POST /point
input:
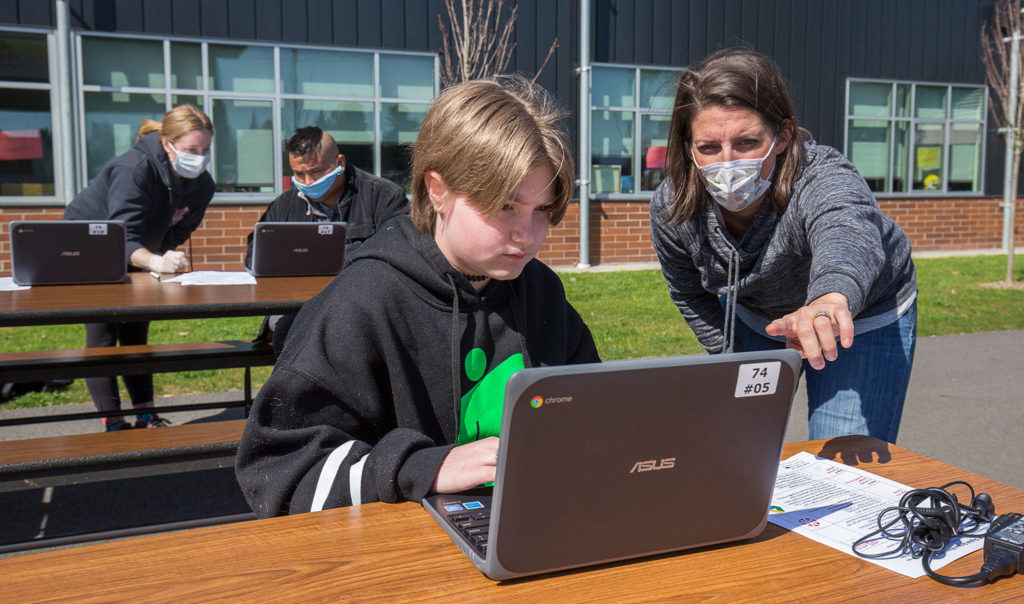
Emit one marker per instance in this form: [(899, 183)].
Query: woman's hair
[(483, 137), (177, 122), (730, 78)]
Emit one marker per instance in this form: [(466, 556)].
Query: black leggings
[(104, 389)]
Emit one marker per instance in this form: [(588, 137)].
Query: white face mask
[(736, 184), (189, 165)]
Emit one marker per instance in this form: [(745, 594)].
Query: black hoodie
[(365, 401), (140, 188)]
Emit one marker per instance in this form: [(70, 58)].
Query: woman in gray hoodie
[(768, 240)]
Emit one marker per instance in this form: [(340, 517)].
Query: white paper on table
[(836, 504), (7, 284), (213, 278)]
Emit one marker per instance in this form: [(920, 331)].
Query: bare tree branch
[(996, 56), (479, 41)]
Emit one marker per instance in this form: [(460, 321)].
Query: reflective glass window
[(929, 139), (658, 88), (399, 125), (123, 63), (930, 102), (611, 147), (867, 146), (327, 73), (23, 58), (653, 143), (928, 146), (186, 65), (968, 103), (112, 122), (406, 77), (964, 157), (243, 145), (868, 99), (612, 87), (26, 143), (242, 68)]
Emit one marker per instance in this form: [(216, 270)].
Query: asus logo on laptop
[(301, 250), (651, 465), (71, 253)]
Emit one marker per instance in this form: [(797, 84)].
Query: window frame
[(638, 112), (912, 122), (56, 124), (207, 93)]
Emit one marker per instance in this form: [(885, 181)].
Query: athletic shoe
[(151, 420)]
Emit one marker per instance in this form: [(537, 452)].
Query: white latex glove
[(170, 262)]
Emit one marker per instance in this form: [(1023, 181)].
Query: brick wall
[(618, 230)]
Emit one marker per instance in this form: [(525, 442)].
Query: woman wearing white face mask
[(768, 240), (160, 189)]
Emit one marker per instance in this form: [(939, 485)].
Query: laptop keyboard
[(473, 526)]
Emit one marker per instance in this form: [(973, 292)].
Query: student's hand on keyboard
[(467, 466)]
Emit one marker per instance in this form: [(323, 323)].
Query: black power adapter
[(1004, 547)]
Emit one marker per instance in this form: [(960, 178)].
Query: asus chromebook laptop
[(608, 461), (295, 249), (64, 252)]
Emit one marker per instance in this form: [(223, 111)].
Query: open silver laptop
[(66, 252), (295, 249), (608, 461)]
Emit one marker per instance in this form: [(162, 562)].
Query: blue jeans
[(863, 390)]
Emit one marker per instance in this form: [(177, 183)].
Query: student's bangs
[(484, 137)]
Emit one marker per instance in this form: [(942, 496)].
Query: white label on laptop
[(325, 229), (99, 228), (758, 379)]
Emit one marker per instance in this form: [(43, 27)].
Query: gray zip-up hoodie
[(832, 237)]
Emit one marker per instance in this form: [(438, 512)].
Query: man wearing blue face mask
[(327, 188)]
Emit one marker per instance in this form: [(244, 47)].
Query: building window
[(372, 102), (630, 110), (915, 137), (26, 119)]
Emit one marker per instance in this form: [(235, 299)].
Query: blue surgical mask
[(322, 185)]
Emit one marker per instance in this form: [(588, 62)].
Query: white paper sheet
[(213, 278), (836, 504), (7, 284)]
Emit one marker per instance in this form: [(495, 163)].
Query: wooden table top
[(397, 552), (145, 298)]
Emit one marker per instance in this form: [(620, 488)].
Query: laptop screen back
[(293, 249), (610, 461), (66, 252)]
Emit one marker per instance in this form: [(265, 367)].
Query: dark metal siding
[(817, 43)]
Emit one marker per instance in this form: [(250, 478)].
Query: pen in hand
[(155, 275)]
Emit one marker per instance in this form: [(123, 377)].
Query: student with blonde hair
[(391, 385), (160, 189)]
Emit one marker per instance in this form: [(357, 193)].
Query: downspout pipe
[(64, 110), (584, 134)]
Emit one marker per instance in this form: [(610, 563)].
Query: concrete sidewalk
[(964, 405)]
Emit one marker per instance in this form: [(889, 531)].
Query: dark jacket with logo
[(395, 362), (140, 188), (366, 203)]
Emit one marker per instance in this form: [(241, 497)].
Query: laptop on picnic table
[(296, 249), (67, 252), (609, 461)]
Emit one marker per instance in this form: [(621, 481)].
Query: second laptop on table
[(295, 249)]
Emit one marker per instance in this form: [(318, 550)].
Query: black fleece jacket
[(388, 368), (367, 202), (140, 188)]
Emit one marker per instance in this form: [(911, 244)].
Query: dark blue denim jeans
[(863, 390)]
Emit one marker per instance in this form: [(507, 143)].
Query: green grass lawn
[(628, 312)]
